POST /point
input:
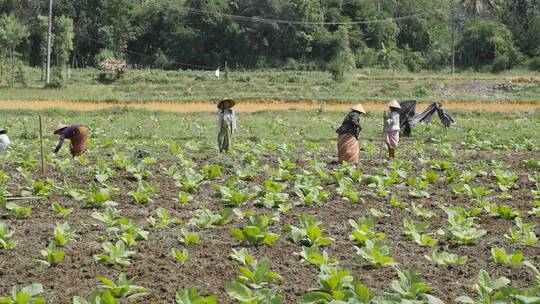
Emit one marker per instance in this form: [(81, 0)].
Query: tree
[(115, 28), (12, 33), (343, 60), (488, 43), (63, 45)]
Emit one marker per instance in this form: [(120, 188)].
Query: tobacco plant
[(204, 218), (312, 256), (165, 219), (189, 238), (375, 253), (52, 255), (30, 294), (18, 211), (310, 233), (256, 232), (179, 256), (337, 286), (500, 256), (115, 254), (63, 234), (5, 237), (362, 231), (490, 291), (446, 259), (191, 296), (61, 211), (524, 234)]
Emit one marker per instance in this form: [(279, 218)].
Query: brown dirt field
[(254, 105), (209, 267)]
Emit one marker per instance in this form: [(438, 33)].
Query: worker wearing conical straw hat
[(347, 141), (391, 127), (4, 139), (226, 124), (77, 134)]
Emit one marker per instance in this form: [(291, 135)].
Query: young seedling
[(165, 219), (337, 286), (362, 231), (489, 291), (123, 288), (310, 232), (446, 259), (179, 256), (61, 211), (257, 274), (52, 255), (256, 232), (109, 217), (244, 295), (30, 294), (63, 234), (376, 254), (17, 211), (418, 233), (523, 235), (461, 227), (204, 218), (500, 256), (191, 296), (189, 238), (5, 237), (312, 256), (212, 172), (115, 254), (411, 288)]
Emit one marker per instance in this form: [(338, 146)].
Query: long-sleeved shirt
[(351, 124), (391, 123), (68, 133), (226, 116), (4, 142)]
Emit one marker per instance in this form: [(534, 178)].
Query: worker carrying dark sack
[(226, 124), (347, 142), (77, 134), (392, 127)]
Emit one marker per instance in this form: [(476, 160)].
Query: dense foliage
[(493, 35)]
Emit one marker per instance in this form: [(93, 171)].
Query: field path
[(252, 106)]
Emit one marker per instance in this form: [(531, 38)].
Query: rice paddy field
[(152, 213)]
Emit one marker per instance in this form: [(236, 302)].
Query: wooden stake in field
[(41, 144), (382, 139)]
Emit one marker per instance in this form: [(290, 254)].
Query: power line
[(291, 22)]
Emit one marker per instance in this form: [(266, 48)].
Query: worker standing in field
[(77, 134), (347, 141), (391, 127), (4, 139), (226, 124)]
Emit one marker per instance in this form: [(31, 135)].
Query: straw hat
[(59, 127), (221, 104), (358, 108), (394, 104)]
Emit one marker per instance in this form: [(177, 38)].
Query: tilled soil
[(209, 268)]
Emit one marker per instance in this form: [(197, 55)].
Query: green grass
[(362, 85)]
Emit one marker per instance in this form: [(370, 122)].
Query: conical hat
[(59, 127), (222, 103), (358, 108), (394, 104)]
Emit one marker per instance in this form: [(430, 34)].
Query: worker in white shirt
[(4, 140)]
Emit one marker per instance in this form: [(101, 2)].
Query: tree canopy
[(304, 34)]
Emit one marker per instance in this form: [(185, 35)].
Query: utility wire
[(291, 22)]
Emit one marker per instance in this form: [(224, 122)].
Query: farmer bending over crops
[(347, 141), (4, 140), (77, 134), (226, 124), (391, 127)]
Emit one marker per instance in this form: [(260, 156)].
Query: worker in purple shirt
[(77, 134)]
